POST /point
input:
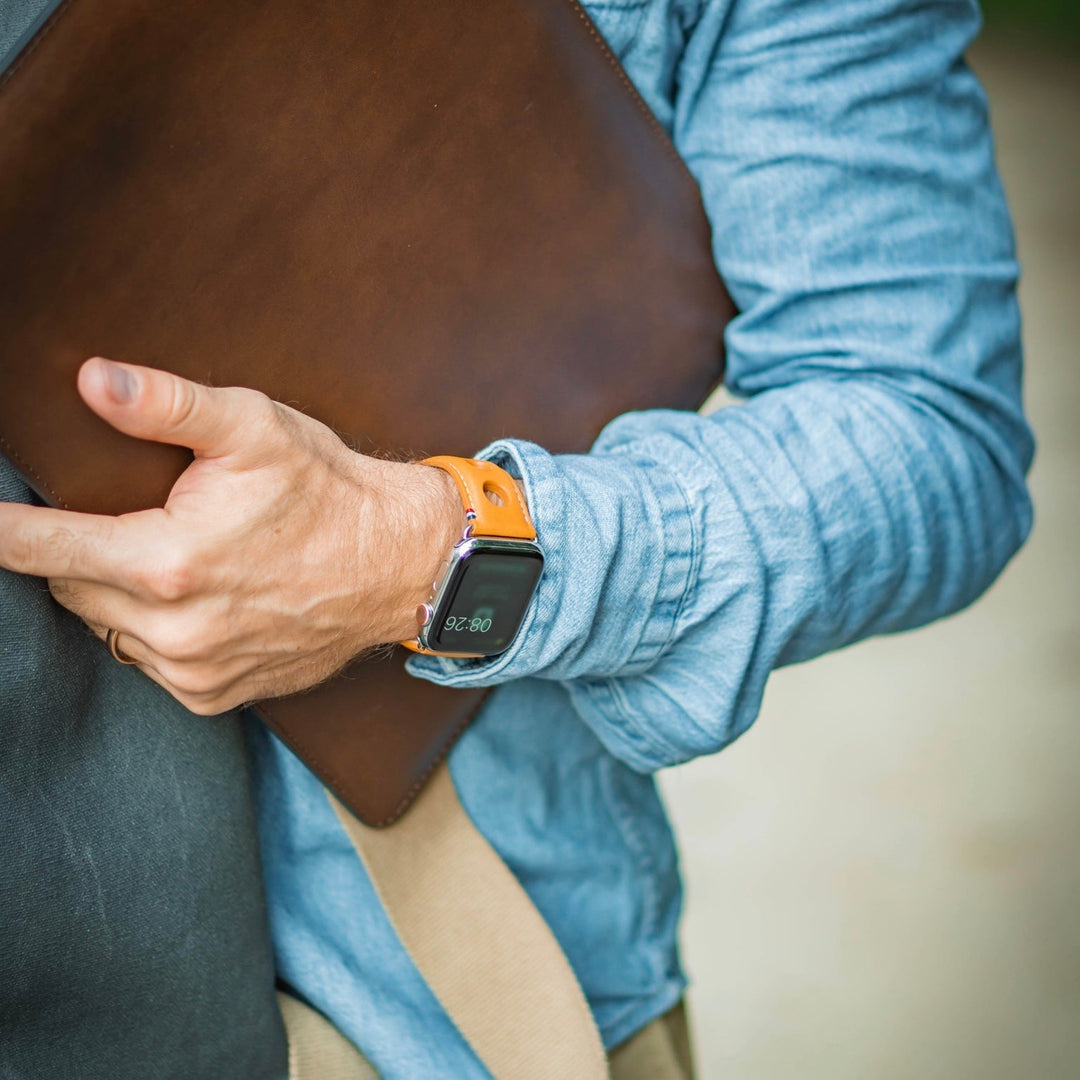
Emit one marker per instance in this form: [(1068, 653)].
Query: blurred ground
[(883, 875)]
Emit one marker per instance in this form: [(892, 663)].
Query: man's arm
[(874, 479)]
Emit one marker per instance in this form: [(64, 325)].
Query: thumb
[(147, 403)]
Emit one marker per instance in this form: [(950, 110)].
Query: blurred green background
[(1053, 20)]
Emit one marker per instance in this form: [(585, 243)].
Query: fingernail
[(120, 383)]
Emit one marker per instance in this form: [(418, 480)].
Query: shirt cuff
[(621, 555)]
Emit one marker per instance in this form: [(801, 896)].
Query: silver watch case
[(431, 615)]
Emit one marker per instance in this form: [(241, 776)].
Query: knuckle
[(181, 403), (262, 410), (173, 576), (208, 708), (194, 703), (72, 597), (201, 684)]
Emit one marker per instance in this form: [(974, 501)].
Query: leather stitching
[(520, 501), (30, 471), (639, 101)]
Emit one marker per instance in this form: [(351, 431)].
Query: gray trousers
[(133, 929)]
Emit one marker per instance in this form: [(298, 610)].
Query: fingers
[(201, 689), (200, 703), (122, 655), (137, 554), (168, 637), (97, 605), (178, 650), (58, 543), (147, 403)]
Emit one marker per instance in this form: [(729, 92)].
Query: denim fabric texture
[(19, 21), (871, 481)]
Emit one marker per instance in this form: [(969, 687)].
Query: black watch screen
[(484, 605)]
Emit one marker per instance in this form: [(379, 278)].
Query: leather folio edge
[(340, 785)]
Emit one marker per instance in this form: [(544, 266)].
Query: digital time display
[(490, 595)]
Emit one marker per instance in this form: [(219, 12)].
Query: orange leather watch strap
[(491, 494), (494, 506)]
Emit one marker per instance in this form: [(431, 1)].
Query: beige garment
[(478, 940), (318, 1051), (486, 953), (660, 1051)]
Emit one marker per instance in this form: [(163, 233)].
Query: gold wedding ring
[(114, 649)]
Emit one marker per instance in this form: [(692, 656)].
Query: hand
[(279, 556)]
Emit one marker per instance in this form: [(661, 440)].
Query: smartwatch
[(479, 600)]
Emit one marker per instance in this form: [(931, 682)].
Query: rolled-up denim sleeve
[(873, 478)]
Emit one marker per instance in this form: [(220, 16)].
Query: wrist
[(484, 587), (428, 521)]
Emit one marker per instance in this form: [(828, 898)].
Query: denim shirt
[(872, 480)]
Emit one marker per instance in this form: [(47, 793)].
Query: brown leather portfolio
[(426, 224)]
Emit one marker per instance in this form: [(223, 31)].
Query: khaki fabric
[(488, 956), (660, 1051), (317, 1050), (478, 940)]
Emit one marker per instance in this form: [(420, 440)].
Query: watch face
[(484, 607)]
